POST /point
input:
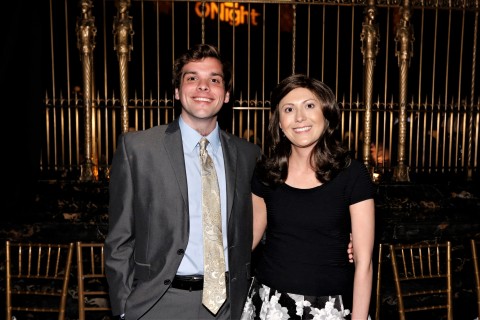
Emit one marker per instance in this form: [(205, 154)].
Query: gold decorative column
[(370, 38), (404, 51), (123, 31), (86, 32)]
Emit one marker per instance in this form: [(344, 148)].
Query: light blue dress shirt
[(192, 262)]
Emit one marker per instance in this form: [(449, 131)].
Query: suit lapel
[(173, 146), (230, 159)]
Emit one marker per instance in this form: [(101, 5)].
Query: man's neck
[(203, 126)]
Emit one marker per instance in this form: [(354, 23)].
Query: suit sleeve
[(120, 240)]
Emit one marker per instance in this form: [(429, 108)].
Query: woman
[(312, 195)]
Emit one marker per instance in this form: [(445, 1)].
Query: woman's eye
[(288, 109), (310, 106)]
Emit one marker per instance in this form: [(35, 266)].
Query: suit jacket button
[(167, 282), (180, 251)]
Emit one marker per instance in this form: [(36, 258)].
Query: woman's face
[(301, 117)]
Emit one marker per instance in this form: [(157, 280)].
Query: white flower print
[(274, 310), (264, 292), (270, 308), (329, 312), (300, 303), (248, 310)]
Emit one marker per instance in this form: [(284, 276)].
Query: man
[(154, 251)]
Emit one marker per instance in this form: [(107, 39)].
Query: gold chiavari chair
[(37, 276), (475, 244), (423, 279), (92, 283), (379, 274)]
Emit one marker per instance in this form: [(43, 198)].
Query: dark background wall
[(23, 27)]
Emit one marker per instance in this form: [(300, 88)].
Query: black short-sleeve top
[(308, 231)]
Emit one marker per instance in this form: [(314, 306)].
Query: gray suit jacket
[(148, 217)]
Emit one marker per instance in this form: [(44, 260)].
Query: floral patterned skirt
[(265, 303)]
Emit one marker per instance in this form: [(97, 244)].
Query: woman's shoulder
[(356, 169), (355, 164)]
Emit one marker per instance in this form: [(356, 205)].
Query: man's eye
[(191, 78), (217, 80)]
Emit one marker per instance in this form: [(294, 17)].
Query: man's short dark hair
[(198, 53)]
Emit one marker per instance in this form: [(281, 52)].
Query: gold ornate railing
[(404, 73)]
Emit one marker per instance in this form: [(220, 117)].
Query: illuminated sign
[(230, 12)]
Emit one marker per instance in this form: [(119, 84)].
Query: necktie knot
[(203, 146)]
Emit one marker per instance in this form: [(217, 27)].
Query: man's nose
[(203, 85)]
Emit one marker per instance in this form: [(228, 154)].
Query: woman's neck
[(300, 171)]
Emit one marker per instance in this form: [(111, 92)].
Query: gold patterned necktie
[(214, 288)]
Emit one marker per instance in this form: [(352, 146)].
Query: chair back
[(92, 282), (378, 295), (423, 279), (475, 244), (37, 276)]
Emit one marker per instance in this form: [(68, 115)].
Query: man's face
[(202, 90)]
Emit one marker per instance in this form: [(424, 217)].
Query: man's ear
[(177, 96), (227, 97)]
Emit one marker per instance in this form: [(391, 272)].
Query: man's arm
[(119, 244)]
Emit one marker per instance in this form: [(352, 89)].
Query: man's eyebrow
[(217, 74), (214, 74), (184, 73)]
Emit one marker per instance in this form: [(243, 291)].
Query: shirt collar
[(191, 137)]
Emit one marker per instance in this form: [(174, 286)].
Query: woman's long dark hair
[(328, 157)]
